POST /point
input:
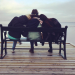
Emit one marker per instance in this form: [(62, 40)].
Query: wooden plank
[(39, 61), (9, 60), (39, 70), (38, 66), (37, 74), (25, 63), (48, 58), (34, 63)]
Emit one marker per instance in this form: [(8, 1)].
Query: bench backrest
[(3, 28), (33, 29)]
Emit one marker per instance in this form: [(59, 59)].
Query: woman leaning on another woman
[(17, 22)]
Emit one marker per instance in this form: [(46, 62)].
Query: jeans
[(14, 45), (32, 44)]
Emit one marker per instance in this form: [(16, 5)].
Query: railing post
[(60, 48), (1, 33), (5, 42), (65, 42)]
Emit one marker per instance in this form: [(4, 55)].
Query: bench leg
[(1, 49), (64, 51), (60, 48), (5, 47)]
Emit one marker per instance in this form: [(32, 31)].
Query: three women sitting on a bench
[(33, 21)]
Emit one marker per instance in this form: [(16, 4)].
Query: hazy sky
[(63, 10)]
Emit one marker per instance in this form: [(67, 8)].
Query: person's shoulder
[(25, 16), (28, 16)]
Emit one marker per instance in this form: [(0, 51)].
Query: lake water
[(70, 32)]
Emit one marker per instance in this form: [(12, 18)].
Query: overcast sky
[(63, 10)]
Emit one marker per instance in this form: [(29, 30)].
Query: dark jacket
[(33, 23), (51, 23), (17, 22)]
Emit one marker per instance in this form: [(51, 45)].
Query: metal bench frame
[(61, 41)]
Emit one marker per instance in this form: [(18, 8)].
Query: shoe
[(50, 54), (31, 50), (50, 50), (35, 43), (13, 51), (20, 43)]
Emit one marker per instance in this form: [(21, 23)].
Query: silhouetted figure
[(17, 22), (33, 23), (50, 23)]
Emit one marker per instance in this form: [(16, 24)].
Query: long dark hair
[(46, 22)]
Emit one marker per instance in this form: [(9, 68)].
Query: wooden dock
[(40, 63)]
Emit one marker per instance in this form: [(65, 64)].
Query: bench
[(61, 41)]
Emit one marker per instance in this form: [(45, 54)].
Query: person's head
[(46, 22), (34, 12), (43, 17)]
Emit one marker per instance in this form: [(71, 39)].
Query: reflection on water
[(70, 32)]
